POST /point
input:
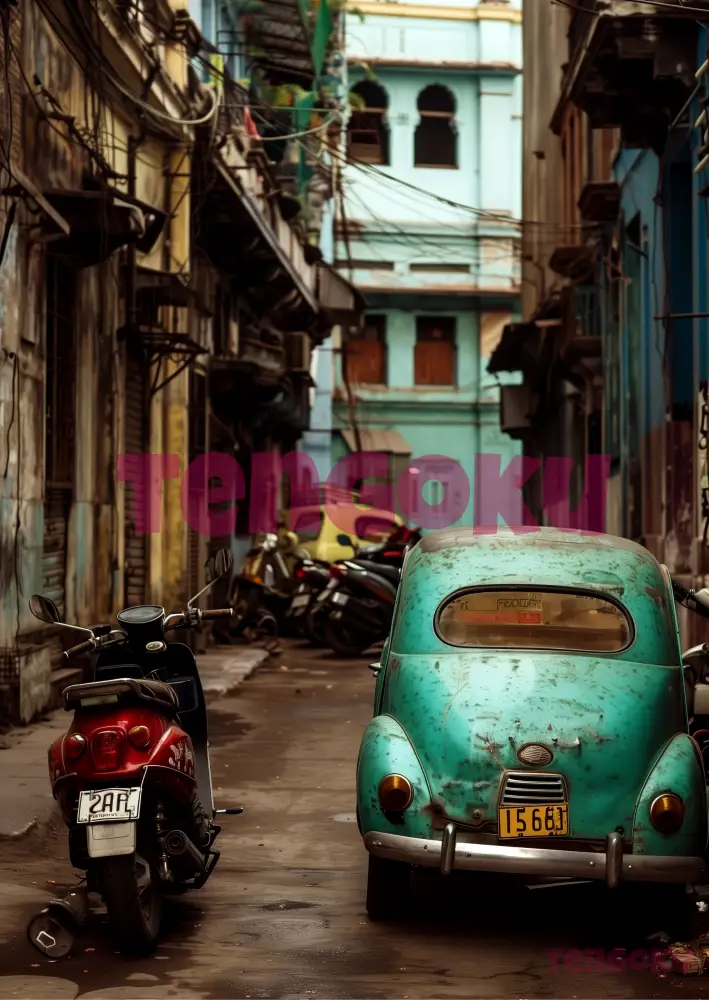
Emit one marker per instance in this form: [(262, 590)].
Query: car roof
[(524, 536), (541, 556), (446, 562)]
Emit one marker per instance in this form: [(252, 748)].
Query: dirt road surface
[(283, 915)]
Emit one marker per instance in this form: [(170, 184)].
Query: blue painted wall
[(218, 22), (460, 223), (316, 442)]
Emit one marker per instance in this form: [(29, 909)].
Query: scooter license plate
[(300, 602), (340, 598), (109, 805), (325, 594)]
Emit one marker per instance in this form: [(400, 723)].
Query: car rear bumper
[(613, 867)]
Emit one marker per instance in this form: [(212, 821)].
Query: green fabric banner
[(323, 29)]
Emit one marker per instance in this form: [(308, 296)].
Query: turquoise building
[(427, 229)]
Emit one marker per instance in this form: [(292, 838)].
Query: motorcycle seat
[(155, 693), (388, 572)]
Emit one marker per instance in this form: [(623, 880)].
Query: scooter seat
[(155, 693), (388, 572)]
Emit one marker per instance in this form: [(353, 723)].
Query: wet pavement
[(283, 916)]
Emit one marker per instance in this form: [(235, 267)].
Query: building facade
[(161, 290), (426, 228), (612, 347)]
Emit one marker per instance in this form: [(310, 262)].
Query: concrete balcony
[(629, 65)]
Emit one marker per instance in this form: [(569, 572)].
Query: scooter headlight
[(667, 813)]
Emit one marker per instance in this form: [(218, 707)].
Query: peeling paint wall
[(95, 544)]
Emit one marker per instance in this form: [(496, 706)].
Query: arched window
[(436, 138), (367, 130)]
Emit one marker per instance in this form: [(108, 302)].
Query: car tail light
[(338, 572), (74, 746), (106, 749), (395, 793), (667, 813), (139, 737)]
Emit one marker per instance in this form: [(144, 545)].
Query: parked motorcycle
[(132, 774), (696, 668), (360, 605), (312, 576), (262, 593), (311, 604)]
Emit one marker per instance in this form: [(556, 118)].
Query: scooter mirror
[(223, 562), (209, 574), (345, 540), (44, 609)]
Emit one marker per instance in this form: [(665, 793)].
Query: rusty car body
[(531, 718)]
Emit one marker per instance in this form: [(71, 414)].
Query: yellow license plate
[(534, 821)]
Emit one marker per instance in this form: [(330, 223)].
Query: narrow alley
[(284, 914)]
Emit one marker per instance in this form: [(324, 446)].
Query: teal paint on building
[(432, 192)]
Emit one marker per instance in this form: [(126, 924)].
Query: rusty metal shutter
[(136, 443), (57, 505), (60, 420), (197, 491)]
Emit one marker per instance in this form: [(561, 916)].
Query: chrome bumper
[(612, 867)]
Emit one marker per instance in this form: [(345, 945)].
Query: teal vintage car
[(531, 717)]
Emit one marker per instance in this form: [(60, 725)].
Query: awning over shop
[(389, 442), (338, 296), (270, 252), (166, 288), (516, 350), (99, 223)]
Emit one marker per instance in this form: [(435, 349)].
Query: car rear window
[(549, 619), (373, 529)]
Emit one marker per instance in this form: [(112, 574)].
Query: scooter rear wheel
[(133, 902), (345, 641), (314, 627)]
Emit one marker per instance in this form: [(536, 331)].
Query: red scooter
[(132, 774)]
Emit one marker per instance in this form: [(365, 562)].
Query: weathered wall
[(94, 571), (545, 50)]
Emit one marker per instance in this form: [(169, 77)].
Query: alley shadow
[(572, 916)]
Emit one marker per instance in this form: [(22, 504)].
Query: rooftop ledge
[(390, 8)]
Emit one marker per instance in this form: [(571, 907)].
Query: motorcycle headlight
[(667, 813)]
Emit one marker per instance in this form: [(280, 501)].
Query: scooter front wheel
[(133, 902)]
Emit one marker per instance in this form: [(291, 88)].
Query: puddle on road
[(288, 904)]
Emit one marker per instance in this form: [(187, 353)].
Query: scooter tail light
[(300, 573), (140, 737), (338, 572), (106, 747), (74, 746)]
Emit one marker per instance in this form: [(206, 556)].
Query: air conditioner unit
[(297, 346), (516, 405)]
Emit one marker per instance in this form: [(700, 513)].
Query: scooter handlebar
[(217, 613), (83, 647)]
